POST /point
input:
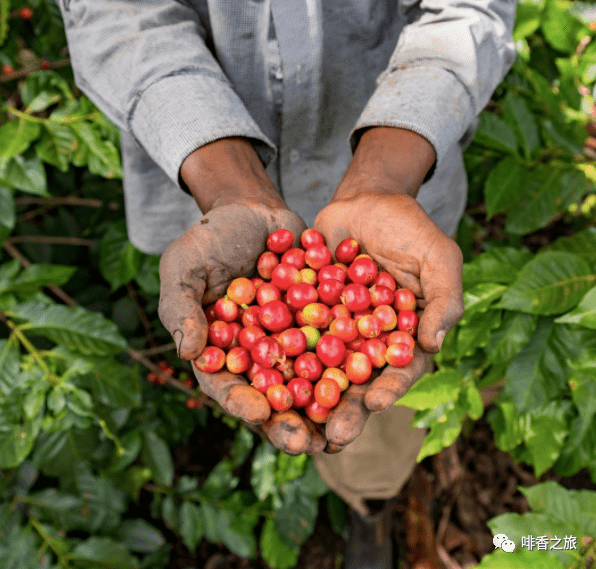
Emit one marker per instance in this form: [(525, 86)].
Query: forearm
[(388, 159), (229, 171)]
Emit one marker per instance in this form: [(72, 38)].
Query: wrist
[(228, 171), (388, 160)]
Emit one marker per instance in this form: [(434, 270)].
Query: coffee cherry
[(241, 291), (266, 263), (386, 316), (358, 368), (327, 393), (404, 299), (212, 359), (311, 237), (317, 256), (225, 309), (219, 334), (7, 70), (280, 241), (293, 341), (301, 390), (264, 378), (279, 397), (363, 270), (238, 360), (294, 257), (26, 13), (399, 355), (407, 321), (267, 352), (316, 412), (308, 366), (369, 326), (338, 376), (331, 350), (284, 276), (356, 297), (275, 316), (398, 336), (347, 250), (375, 350)]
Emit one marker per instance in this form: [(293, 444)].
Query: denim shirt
[(299, 78)]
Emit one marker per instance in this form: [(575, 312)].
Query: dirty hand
[(397, 233), (196, 269)]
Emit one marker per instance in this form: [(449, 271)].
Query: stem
[(50, 376), (49, 542), (66, 120)]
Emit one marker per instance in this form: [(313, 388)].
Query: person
[(240, 118)]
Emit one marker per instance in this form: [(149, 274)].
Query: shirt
[(299, 78)]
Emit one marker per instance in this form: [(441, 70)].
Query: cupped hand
[(195, 270), (398, 234)]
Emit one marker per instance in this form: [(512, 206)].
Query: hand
[(372, 205), (196, 270)]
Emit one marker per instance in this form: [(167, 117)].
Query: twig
[(25, 73), (158, 349), (52, 239), (66, 200), (132, 293)]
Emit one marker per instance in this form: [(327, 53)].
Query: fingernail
[(178, 336), (440, 337)]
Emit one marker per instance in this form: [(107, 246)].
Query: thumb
[(180, 296)]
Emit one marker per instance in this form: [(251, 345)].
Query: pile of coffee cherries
[(306, 328)]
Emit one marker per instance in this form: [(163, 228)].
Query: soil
[(441, 513)]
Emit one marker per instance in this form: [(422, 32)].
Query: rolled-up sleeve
[(449, 59), (146, 65)]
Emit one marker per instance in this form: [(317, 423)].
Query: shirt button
[(279, 74), (294, 156)]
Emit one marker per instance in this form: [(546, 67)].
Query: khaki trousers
[(378, 463)]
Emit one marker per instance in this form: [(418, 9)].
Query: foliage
[(85, 445)]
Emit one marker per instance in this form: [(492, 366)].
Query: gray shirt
[(300, 78)]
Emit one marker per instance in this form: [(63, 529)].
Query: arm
[(146, 65)]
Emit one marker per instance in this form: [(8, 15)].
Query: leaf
[(104, 157), (478, 298), (527, 18), (16, 137), (547, 433), (579, 450), (191, 525), (583, 386), (114, 384), (504, 185), (241, 446), (433, 389), (120, 260), (444, 432), (36, 276), (56, 452), (495, 133), (475, 333), (509, 426), (42, 101), (139, 535), (514, 334), (262, 475), (104, 553), (57, 144), (132, 443), (220, 481), (7, 213), (157, 457), (236, 524), (295, 519), (582, 243), (522, 559), (498, 265), (16, 442), (561, 29), (274, 550), (584, 314), (338, 513), (26, 175), (549, 189), (289, 467), (552, 283), (76, 328), (10, 366), (475, 405), (39, 81), (516, 113), (526, 383)]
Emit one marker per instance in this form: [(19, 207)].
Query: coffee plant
[(88, 447)]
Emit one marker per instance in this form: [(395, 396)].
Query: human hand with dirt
[(241, 208), (375, 204)]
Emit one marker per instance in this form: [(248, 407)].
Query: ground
[(439, 518)]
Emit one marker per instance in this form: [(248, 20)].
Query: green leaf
[(444, 432), (584, 314), (104, 553), (57, 144), (220, 481), (514, 334), (114, 384), (16, 137), (7, 213), (516, 113), (191, 525), (338, 513), (76, 328), (509, 426), (522, 559), (498, 265), (295, 519), (548, 190), (104, 158), (120, 260), (42, 101), (503, 187), (289, 467), (579, 450), (55, 453), (148, 276), (561, 30), (547, 433), (475, 333), (50, 81), (479, 297), (26, 175), (36, 276), (274, 550), (262, 475), (156, 455), (10, 366), (139, 535), (475, 405), (527, 384), (16, 441), (241, 447), (495, 133), (527, 18), (552, 283), (236, 524), (131, 443), (433, 389), (583, 386), (582, 243)]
